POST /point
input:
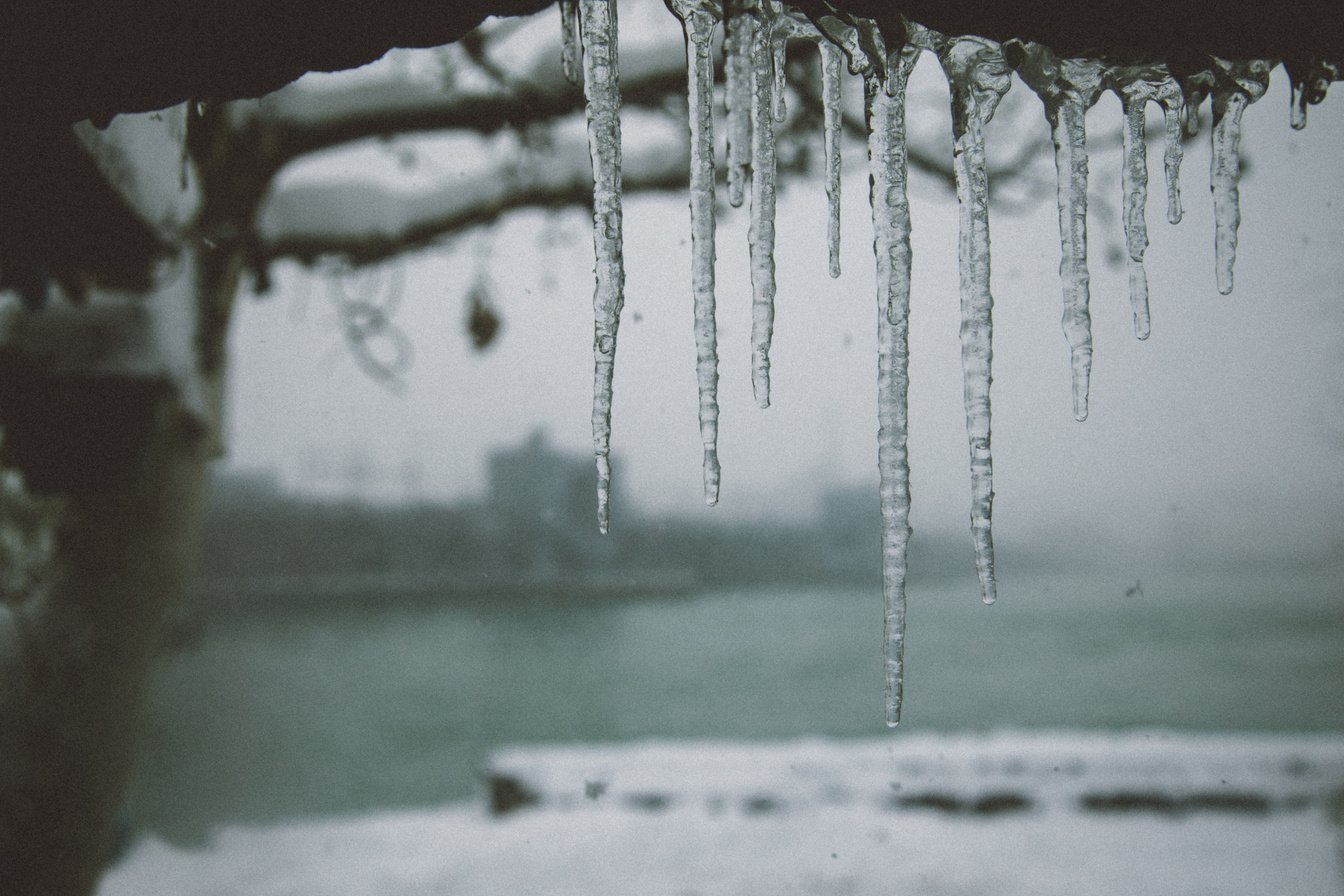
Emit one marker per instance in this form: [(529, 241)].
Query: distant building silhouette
[(545, 502)]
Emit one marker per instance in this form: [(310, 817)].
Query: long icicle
[(885, 112), (601, 86), (1134, 97), (1240, 85), (698, 23), (978, 77), (571, 50), (739, 28), (1068, 88), (831, 117), (761, 233), (778, 36), (1173, 115), (1070, 137)]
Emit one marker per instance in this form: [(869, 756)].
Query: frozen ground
[(926, 815)]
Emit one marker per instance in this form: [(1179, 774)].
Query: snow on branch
[(507, 78), (369, 221)]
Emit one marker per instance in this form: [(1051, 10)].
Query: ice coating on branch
[(739, 34), (1137, 87), (831, 117), (978, 77), (1068, 88), (602, 89), (698, 22), (859, 39), (1195, 87), (761, 232), (885, 113), (1238, 85), (570, 49)]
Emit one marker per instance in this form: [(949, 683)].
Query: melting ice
[(601, 87), (755, 87)]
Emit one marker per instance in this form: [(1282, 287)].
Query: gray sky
[(1223, 429)]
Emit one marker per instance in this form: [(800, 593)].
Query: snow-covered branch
[(369, 221), (509, 78)]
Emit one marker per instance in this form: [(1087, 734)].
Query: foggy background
[(1218, 437), (1169, 570)]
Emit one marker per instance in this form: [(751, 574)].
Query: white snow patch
[(600, 844)]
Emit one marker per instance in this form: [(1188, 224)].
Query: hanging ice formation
[(761, 231), (739, 30), (979, 77), (601, 87), (885, 112), (1309, 87), (830, 96), (1068, 88), (698, 23), (1137, 87), (755, 33), (570, 48), (1236, 86)]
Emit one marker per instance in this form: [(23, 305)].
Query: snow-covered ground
[(1002, 814)]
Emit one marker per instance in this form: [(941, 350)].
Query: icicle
[(831, 106), (978, 77), (1136, 88), (188, 120), (698, 22), (1134, 182), (790, 23), (761, 233), (739, 34), (1297, 106), (1308, 88), (885, 112), (602, 88), (1068, 88), (1173, 115), (1195, 86), (774, 25), (570, 49), (1239, 85)]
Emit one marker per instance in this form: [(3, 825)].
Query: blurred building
[(544, 502)]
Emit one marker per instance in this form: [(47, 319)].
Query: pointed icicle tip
[(698, 24), (1309, 86), (761, 231), (831, 97), (1173, 118), (1137, 87), (1068, 88), (979, 77), (887, 161), (1238, 85), (602, 89)]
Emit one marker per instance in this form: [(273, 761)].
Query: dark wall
[(68, 61)]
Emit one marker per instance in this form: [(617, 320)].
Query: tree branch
[(369, 223)]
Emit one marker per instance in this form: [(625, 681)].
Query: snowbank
[(820, 817)]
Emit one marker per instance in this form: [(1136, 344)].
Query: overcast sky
[(1223, 429)]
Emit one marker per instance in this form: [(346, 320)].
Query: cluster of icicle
[(979, 74)]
